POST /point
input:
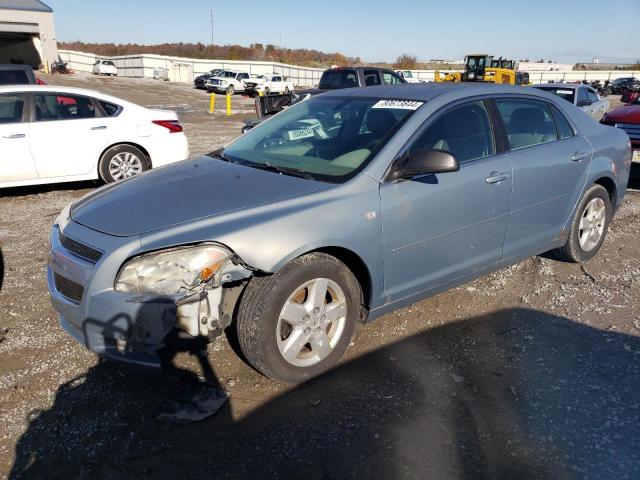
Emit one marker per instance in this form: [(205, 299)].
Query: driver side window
[(464, 131)]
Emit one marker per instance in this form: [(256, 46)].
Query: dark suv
[(620, 85), (17, 75)]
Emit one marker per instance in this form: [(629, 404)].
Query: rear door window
[(11, 107), (371, 78), (582, 96), (591, 95), (464, 131), (57, 106), (527, 122)]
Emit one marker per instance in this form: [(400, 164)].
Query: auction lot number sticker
[(399, 104)]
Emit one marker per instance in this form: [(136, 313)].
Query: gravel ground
[(531, 372)]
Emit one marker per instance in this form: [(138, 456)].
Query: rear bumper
[(170, 148)]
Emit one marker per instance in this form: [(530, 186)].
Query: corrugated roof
[(29, 5)]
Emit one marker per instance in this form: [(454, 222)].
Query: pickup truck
[(228, 82), (272, 83), (408, 76)]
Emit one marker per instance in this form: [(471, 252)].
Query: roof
[(568, 86), (426, 91), (28, 5)]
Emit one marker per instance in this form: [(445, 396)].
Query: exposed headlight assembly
[(171, 271)]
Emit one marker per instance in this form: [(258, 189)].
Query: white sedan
[(105, 67), (52, 134)]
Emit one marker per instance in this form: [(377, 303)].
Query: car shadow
[(49, 187), (516, 393)]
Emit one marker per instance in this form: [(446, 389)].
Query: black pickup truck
[(331, 79)]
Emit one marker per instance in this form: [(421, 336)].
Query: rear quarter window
[(110, 109)]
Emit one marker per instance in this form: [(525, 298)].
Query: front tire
[(589, 226), (122, 161), (230, 90), (297, 323)]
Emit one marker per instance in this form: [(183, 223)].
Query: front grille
[(632, 129), (79, 249), (68, 288)]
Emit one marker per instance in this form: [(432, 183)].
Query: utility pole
[(211, 10)]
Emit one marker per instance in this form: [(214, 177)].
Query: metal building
[(26, 33)]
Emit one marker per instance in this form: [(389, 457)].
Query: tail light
[(172, 125)]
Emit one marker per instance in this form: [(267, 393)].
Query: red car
[(627, 118)]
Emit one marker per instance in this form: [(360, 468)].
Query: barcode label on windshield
[(565, 92), (399, 104), (301, 133)]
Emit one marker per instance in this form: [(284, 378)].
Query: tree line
[(255, 51)]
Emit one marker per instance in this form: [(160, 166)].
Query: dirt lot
[(532, 372)]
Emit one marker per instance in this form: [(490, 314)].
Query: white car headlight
[(171, 271)]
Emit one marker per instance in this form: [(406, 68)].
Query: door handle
[(100, 127), (578, 156), (15, 135), (497, 177)]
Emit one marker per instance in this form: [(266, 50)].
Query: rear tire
[(289, 349), (121, 162), (589, 226)]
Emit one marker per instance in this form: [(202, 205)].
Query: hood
[(624, 114), (183, 192)]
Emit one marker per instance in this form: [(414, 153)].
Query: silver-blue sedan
[(336, 211)]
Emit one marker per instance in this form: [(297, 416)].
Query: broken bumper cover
[(127, 328)]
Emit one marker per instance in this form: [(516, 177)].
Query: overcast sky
[(563, 30)]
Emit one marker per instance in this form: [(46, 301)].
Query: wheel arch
[(132, 144), (349, 257), (610, 186)]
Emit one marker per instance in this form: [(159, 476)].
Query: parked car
[(336, 211), (335, 79), (619, 85), (627, 118), (52, 134), (408, 76), (105, 67), (17, 75), (583, 96), (201, 80), (228, 82), (272, 83)]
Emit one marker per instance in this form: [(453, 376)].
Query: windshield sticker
[(300, 133), (564, 92), (398, 104)]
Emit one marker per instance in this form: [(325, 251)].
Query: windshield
[(338, 79), (226, 74), (567, 93), (407, 74), (324, 138)]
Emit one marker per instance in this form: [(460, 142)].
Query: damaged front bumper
[(129, 328)]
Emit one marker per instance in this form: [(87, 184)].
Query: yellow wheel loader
[(484, 68)]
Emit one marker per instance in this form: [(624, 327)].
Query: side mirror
[(584, 103), (423, 162)]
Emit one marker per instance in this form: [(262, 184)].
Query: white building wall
[(145, 66), (45, 28)]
